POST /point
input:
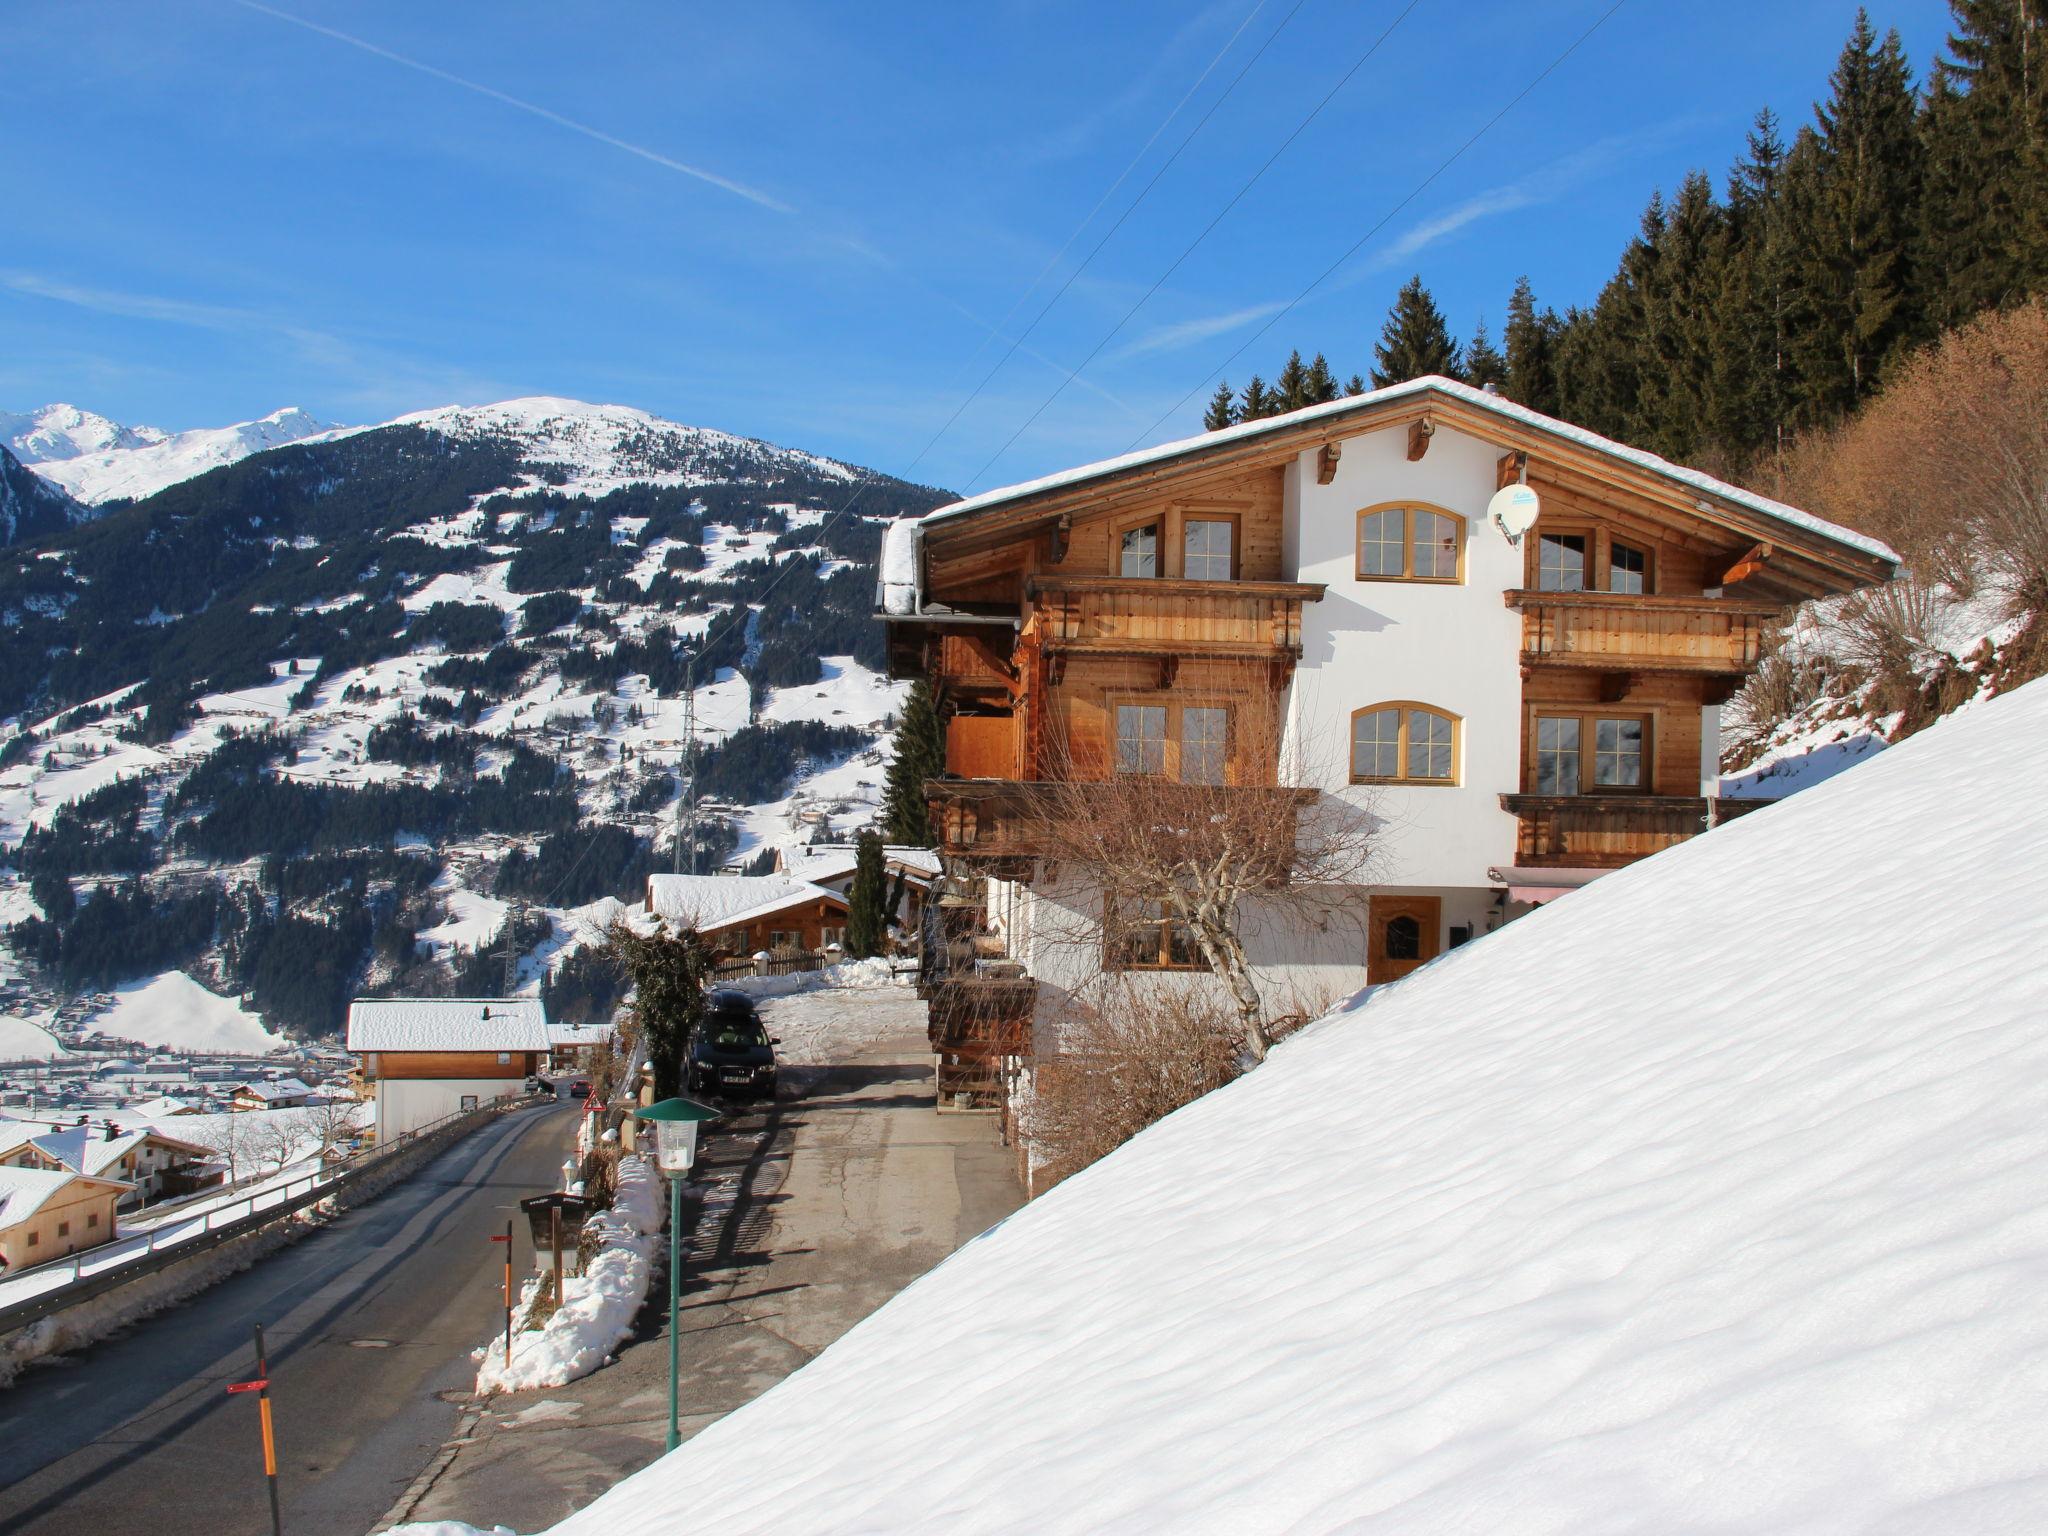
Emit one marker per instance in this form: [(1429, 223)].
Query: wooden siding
[(982, 746), (393, 1065), (1080, 712), (808, 920), (1670, 701), (1161, 616), (1622, 633), (1253, 498)]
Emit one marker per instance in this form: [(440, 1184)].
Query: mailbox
[(549, 1214)]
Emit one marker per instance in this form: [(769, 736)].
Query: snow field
[(1705, 1199), (174, 1012)]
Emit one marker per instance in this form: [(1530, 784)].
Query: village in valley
[(1290, 889)]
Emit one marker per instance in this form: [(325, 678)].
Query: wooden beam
[(1420, 431), (1747, 566), (1062, 535), (1326, 463), (1512, 469), (1169, 669), (1615, 686)]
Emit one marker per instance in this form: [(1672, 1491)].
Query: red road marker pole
[(507, 1241), (260, 1385)]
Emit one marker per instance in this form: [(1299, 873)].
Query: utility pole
[(686, 800), (511, 955)]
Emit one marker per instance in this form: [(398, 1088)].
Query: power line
[(1357, 245), (1235, 198), (1110, 233)]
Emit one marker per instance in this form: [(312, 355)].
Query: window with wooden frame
[(785, 938), (1411, 541), (1188, 742), (1590, 753), (1584, 557), (1137, 552), (1209, 547), (1404, 743), (1142, 937)]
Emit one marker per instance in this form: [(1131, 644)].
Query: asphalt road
[(369, 1323)]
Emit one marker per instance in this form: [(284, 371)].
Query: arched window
[(1404, 938), (1410, 542), (1404, 743)]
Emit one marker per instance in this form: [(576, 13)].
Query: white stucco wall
[(405, 1104), (1453, 647)]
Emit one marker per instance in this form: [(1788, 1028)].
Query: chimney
[(111, 1133)]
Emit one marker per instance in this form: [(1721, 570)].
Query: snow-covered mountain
[(98, 460), (1746, 1238)]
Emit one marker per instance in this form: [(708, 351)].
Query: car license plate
[(731, 1076)]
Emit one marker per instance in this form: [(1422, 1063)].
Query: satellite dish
[(1513, 511)]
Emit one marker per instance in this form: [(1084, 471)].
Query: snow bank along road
[(369, 1322), (806, 1218)]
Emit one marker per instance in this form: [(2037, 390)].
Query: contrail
[(738, 189)]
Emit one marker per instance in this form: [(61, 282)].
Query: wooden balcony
[(1001, 825), (973, 1015), (1120, 616), (1608, 831), (1605, 632)]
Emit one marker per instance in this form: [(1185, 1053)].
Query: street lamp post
[(675, 1152)]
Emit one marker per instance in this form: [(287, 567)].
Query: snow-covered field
[(1705, 1200), (174, 1012)]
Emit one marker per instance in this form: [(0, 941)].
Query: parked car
[(731, 1053), (580, 1089)]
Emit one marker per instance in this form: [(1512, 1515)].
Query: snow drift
[(597, 1306), (1707, 1198)]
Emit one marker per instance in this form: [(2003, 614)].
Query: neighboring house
[(833, 865), (46, 1214), (574, 1047), (153, 1164), (745, 914), (166, 1108), (1517, 716), (427, 1057), (290, 1093)]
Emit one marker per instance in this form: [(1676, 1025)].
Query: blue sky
[(819, 223)]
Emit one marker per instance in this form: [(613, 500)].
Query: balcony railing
[(1007, 821), (1123, 616), (1607, 831), (1614, 633)]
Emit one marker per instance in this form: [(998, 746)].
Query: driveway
[(804, 1217)]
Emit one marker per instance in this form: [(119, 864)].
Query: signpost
[(260, 1385), (675, 1152), (507, 1241)]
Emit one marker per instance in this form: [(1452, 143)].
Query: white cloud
[(1185, 333)]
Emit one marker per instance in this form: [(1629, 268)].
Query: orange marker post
[(260, 1385), (507, 1241)]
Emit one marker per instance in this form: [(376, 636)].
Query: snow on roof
[(578, 1034), (447, 1024), (24, 1191), (289, 1088), (1695, 1200), (828, 861), (710, 902), (1498, 405), (89, 1149)]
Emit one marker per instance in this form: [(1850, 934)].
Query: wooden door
[(1405, 932)]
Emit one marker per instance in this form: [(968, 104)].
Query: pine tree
[(867, 923), (920, 755), (1531, 360), (1222, 409), (1483, 363), (1750, 365), (1996, 140), (1681, 290), (1857, 215), (1292, 385), (1355, 386), (1416, 339), (1322, 387), (1258, 401)]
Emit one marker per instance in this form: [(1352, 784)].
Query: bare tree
[(1176, 849), (227, 1138), (1133, 1059), (274, 1137)]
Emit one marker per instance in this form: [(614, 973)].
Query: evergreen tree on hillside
[(1855, 194), (1531, 359), (1680, 294), (867, 924), (1222, 409), (1483, 363), (1750, 365), (1415, 340), (1322, 387), (1355, 385), (1258, 401), (920, 755), (1292, 385), (1984, 213)]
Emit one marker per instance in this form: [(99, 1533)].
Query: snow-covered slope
[(98, 460), (1705, 1199)]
